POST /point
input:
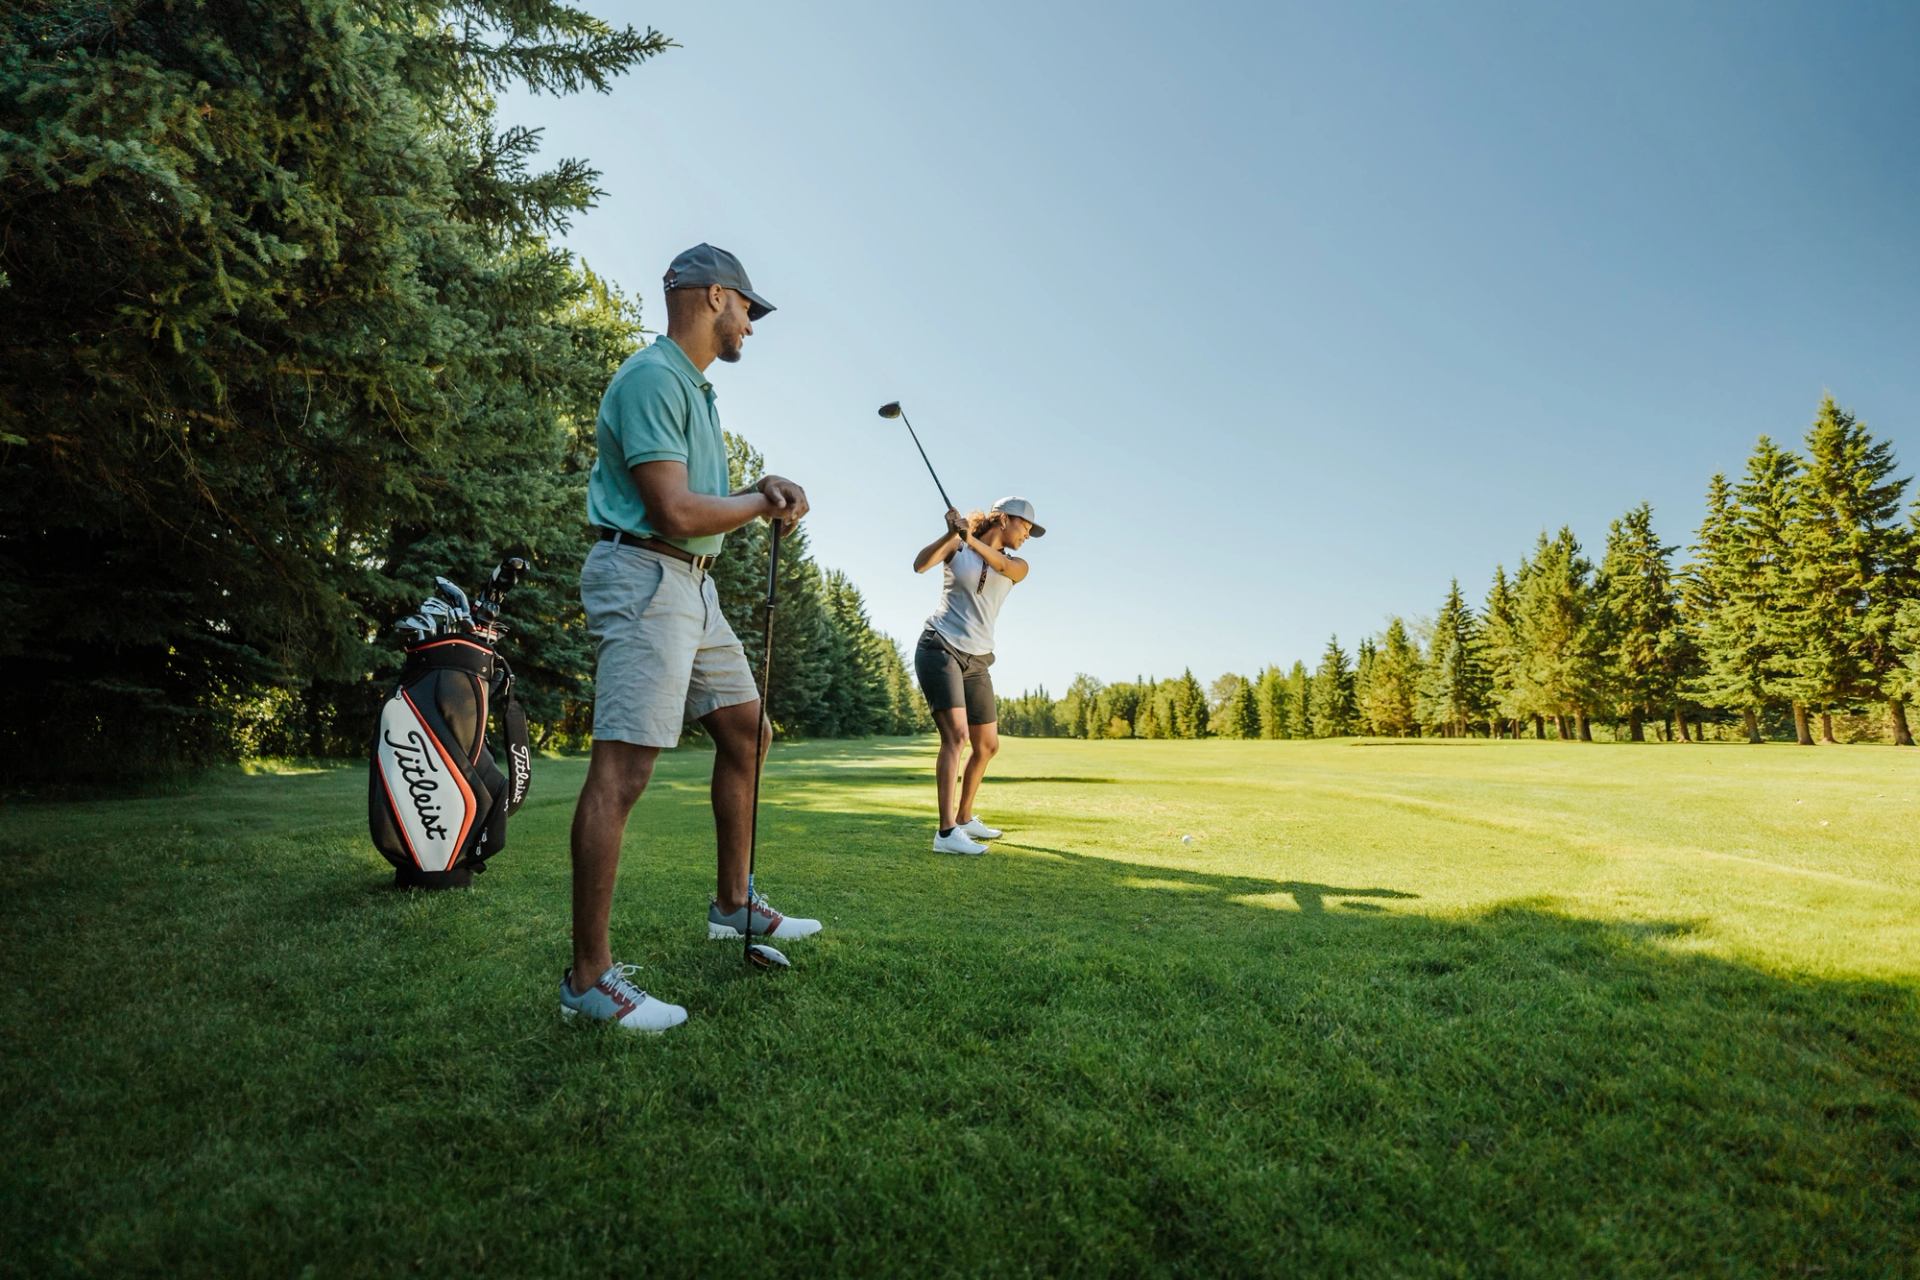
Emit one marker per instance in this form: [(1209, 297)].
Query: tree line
[(284, 333), (1796, 612)]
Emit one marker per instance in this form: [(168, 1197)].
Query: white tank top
[(971, 593)]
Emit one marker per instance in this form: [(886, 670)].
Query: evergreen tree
[(1719, 590), (1765, 519), (1453, 690), (1389, 703), (1637, 623), (1363, 662), (337, 356), (1332, 693), (1558, 668), (1270, 695), (1189, 700), (1500, 650), (1299, 702), (1849, 569), (1244, 722)]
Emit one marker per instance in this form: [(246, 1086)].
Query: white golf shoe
[(614, 998), (979, 830), (958, 841), (761, 918)]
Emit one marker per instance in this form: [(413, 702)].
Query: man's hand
[(789, 500)]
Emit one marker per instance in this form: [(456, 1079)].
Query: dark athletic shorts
[(950, 678)]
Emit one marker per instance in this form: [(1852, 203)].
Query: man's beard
[(730, 345)]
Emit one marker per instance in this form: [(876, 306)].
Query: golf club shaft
[(760, 732), (923, 457)]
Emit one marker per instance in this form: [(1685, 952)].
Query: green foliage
[(1645, 653), (1453, 687), (282, 340), (1334, 713), (1389, 704)]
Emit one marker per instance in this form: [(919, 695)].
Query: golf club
[(456, 599), (757, 954), (440, 614), (892, 409)]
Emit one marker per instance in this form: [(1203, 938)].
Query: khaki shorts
[(667, 655)]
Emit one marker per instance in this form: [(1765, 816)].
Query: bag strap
[(513, 723)]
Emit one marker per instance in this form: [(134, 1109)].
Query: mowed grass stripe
[(1333, 1035)]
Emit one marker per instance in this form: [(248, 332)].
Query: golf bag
[(438, 802)]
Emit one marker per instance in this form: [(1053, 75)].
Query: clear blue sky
[(1282, 315)]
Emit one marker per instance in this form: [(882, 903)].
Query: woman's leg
[(952, 723), (986, 744)]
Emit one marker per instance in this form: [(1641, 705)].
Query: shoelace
[(622, 982)]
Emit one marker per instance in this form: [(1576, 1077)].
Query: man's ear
[(716, 298)]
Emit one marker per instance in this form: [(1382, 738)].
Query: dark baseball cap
[(704, 264)]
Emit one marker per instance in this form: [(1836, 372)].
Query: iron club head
[(762, 956), (891, 409)]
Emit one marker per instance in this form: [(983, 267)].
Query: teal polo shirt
[(658, 407)]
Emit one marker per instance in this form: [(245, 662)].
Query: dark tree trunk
[(1902, 734), (1539, 726), (1753, 725), (1801, 733), (1680, 722), (1826, 728), (1586, 727), (1636, 730)]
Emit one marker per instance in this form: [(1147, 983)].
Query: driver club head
[(891, 409), (762, 956)]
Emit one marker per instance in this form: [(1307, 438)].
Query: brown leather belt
[(621, 537)]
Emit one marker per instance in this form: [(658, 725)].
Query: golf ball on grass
[(1186, 839)]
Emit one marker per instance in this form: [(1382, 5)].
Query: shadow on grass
[(1043, 1061)]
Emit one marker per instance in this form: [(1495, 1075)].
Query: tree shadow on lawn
[(1040, 1061)]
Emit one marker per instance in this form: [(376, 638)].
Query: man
[(658, 498)]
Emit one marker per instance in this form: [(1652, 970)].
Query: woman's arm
[(1011, 566), (941, 547)]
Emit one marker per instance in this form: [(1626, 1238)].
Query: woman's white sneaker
[(614, 998), (958, 841), (979, 830)]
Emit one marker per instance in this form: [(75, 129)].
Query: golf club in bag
[(437, 800), (758, 954)]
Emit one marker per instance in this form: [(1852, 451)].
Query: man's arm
[(678, 512)]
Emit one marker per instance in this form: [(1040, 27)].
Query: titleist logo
[(522, 770), (415, 760)]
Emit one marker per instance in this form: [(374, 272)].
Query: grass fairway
[(1424, 1009)]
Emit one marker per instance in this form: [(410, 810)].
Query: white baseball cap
[(1018, 507)]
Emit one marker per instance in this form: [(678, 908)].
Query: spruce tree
[(1393, 692), (1717, 588), (338, 356), (1558, 669), (1271, 696), (1332, 693), (1299, 702), (1637, 623), (1764, 601), (1453, 690), (1500, 650), (1849, 571)]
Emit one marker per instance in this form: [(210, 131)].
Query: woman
[(957, 648)]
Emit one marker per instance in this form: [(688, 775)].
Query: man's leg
[(616, 775), (986, 745), (952, 723), (734, 731)]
